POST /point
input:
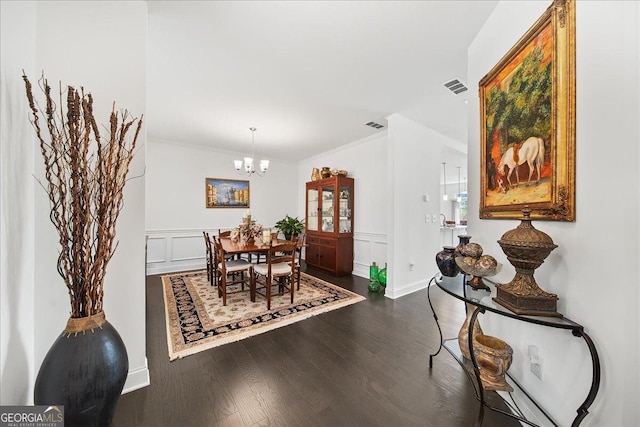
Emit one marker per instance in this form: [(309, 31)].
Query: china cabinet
[(329, 224)]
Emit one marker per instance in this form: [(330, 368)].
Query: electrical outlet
[(536, 369), (535, 361)]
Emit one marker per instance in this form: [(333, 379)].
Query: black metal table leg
[(595, 380), (431, 356)]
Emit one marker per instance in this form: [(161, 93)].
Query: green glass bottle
[(382, 276), (374, 285)]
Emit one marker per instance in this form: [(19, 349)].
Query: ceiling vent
[(455, 86), (375, 125)]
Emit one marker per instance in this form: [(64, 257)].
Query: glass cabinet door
[(345, 209), (312, 209), (328, 209)]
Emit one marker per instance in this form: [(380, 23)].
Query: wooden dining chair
[(278, 270), (299, 240), (231, 272), (210, 258), (300, 243)]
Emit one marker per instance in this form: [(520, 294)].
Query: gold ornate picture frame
[(227, 193), (527, 108)]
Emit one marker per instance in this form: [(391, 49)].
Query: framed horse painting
[(527, 107)]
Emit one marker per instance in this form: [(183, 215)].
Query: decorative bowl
[(484, 266)]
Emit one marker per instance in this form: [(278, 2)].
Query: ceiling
[(308, 75)]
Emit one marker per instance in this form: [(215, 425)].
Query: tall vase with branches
[(85, 173)]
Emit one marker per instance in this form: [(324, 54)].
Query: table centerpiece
[(248, 231)]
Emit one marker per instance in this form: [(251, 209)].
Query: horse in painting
[(530, 151)]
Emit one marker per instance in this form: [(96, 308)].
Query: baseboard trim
[(406, 290), (137, 378), (176, 267), (360, 270)]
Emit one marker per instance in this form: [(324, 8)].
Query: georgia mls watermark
[(32, 416)]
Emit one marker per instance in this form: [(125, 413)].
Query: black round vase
[(446, 261), (84, 371), (463, 240)]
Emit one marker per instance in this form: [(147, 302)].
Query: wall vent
[(455, 86), (375, 125)]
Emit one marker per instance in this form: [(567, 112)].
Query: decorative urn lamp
[(526, 249)]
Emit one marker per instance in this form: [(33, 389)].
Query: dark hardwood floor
[(363, 365)]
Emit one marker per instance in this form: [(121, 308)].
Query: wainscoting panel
[(156, 249), (170, 251), (187, 247), (367, 248)]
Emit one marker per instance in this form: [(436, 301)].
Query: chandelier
[(246, 167)]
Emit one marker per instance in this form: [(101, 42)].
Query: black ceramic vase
[(84, 371), (463, 240), (445, 259)]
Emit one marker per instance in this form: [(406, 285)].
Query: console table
[(458, 288)]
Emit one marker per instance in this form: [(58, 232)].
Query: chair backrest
[(301, 243), (207, 244), (224, 233), (219, 255), (282, 253)]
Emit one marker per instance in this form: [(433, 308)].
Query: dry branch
[(86, 175)]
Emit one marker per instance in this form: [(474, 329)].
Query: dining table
[(258, 247), (236, 247)]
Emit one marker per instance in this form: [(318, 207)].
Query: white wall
[(415, 167), (365, 160), (17, 44), (75, 43), (175, 199), (594, 270)]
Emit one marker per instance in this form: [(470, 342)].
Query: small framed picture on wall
[(227, 193)]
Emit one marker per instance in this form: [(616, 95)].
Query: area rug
[(197, 320)]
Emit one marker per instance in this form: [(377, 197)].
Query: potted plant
[(290, 226), (86, 367)]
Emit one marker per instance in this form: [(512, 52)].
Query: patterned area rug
[(197, 320)]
